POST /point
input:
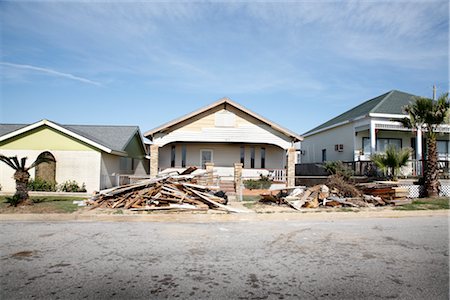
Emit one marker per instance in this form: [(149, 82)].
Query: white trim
[(334, 125), (61, 129), (378, 115)]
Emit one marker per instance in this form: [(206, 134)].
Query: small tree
[(21, 175), (392, 160), (428, 114)]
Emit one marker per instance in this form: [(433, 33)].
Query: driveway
[(404, 258)]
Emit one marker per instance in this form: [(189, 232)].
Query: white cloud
[(50, 72)]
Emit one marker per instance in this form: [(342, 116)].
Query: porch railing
[(414, 168)]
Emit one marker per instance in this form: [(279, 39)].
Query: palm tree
[(392, 160), (21, 174), (428, 114)]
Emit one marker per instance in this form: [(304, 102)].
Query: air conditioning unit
[(339, 147)]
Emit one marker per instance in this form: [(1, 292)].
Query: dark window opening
[(183, 156), (324, 155), (252, 157), (172, 156), (242, 155), (263, 158)]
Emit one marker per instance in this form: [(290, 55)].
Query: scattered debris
[(338, 193), (172, 192)]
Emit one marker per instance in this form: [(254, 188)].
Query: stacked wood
[(167, 193)]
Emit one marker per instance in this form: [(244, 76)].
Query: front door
[(206, 155)]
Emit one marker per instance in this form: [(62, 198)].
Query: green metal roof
[(389, 103)]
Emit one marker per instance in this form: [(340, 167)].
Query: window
[(381, 144), (252, 157), (263, 158), (242, 155), (443, 148), (206, 156), (172, 156), (183, 156), (324, 155)]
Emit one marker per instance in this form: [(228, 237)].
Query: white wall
[(224, 155), (313, 145), (81, 166)]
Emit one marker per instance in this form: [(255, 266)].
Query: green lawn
[(426, 204), (43, 204)]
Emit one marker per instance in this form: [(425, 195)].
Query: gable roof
[(111, 139), (389, 103), (223, 101)]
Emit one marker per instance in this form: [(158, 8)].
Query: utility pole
[(434, 92)]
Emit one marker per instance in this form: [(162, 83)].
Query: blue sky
[(146, 63)]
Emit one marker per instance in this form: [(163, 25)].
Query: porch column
[(373, 138), (209, 173), (419, 144), (154, 160), (238, 180), (290, 168)]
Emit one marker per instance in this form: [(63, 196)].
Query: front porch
[(376, 135)]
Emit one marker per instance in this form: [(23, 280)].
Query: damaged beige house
[(224, 135)]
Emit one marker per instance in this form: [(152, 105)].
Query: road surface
[(375, 258)]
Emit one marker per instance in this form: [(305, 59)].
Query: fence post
[(209, 173), (238, 180)]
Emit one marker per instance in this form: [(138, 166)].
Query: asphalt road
[(381, 258)]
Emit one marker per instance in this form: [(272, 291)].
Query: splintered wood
[(169, 193), (324, 196)]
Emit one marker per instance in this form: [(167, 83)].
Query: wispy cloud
[(50, 72)]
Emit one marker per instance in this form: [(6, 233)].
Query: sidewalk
[(208, 218)]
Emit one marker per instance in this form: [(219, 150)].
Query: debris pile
[(326, 196), (179, 192)]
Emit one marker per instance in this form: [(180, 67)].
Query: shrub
[(338, 168), (14, 200), (41, 185), (71, 186), (262, 183)]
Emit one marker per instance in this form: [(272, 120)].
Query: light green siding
[(45, 137)]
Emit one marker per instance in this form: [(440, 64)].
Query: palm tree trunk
[(21, 178), (431, 174)]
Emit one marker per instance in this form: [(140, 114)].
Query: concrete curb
[(208, 218)]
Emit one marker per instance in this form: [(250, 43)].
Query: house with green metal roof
[(369, 128), (95, 155)]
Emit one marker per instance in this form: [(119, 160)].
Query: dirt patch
[(255, 192), (22, 254)]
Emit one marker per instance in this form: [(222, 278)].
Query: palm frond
[(7, 160), (15, 161), (22, 163)]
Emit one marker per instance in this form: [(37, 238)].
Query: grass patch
[(43, 204), (251, 198), (426, 204)]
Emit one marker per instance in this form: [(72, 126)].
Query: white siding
[(224, 155), (313, 145), (81, 166), (245, 130)]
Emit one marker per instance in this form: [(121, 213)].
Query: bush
[(338, 168), (13, 201), (41, 185), (72, 186), (262, 183)]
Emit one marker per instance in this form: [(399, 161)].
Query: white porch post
[(373, 138), (355, 149), (419, 144)]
